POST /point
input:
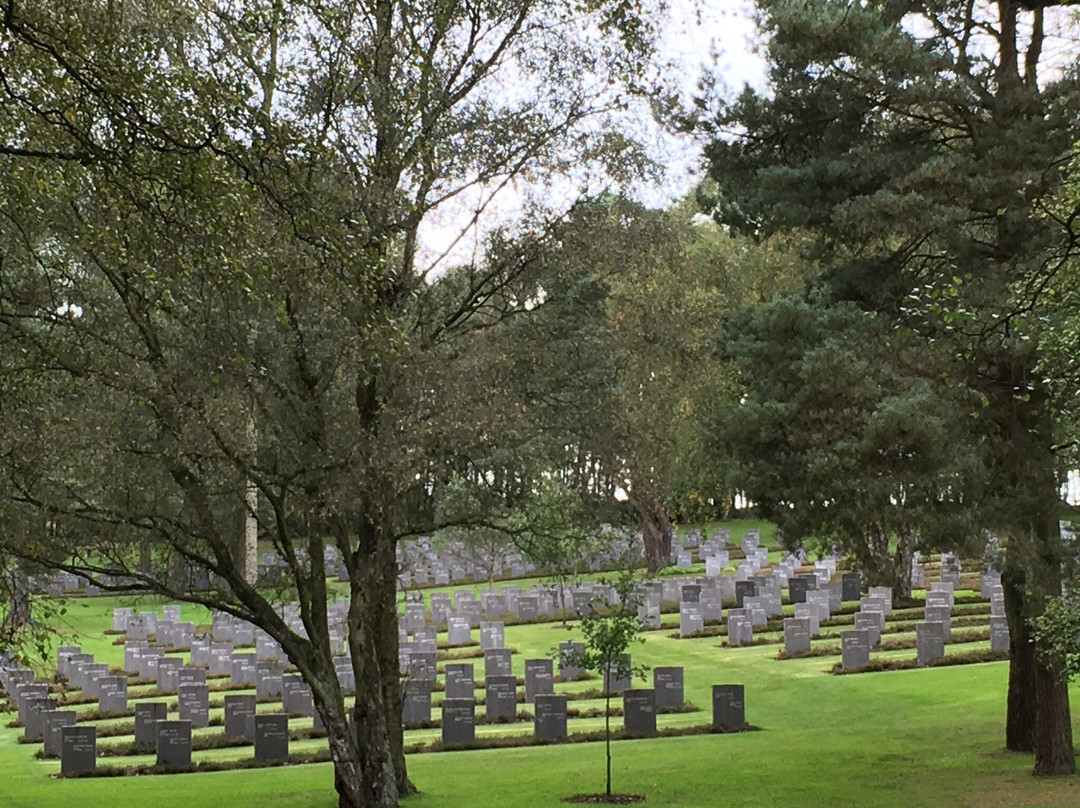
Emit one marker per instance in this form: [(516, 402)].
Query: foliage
[(915, 145), (610, 629)]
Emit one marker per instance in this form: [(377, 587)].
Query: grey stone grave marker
[(37, 710), (690, 619), (459, 680), (929, 642), (416, 702), (113, 694), (999, 634), (639, 711), (147, 716), (566, 649), (729, 706), (613, 682), (497, 662), (239, 716), (271, 737), (173, 743), (458, 722), (668, 684), (78, 750), (549, 722), (56, 720), (871, 623), (501, 698), (855, 649), (796, 635), (539, 678), (194, 705)]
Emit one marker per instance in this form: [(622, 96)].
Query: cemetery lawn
[(931, 737)]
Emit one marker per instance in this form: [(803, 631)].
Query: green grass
[(928, 737)]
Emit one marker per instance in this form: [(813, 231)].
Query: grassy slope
[(910, 738)]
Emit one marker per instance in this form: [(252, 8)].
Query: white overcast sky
[(699, 35)]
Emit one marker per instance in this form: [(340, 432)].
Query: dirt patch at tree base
[(605, 799)]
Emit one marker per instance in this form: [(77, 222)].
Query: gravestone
[(690, 619), (528, 609), (809, 612), (740, 629), (458, 631), (796, 635), (500, 698), (239, 716), (940, 614), (797, 587), (492, 635), (147, 716), (416, 702), (549, 722), (691, 593), (458, 722), (999, 634), (871, 623), (271, 737), (743, 590), (614, 682), (851, 586), (194, 705), (639, 711), (855, 649), (729, 706), (296, 698), (113, 694), (78, 750), (120, 619), (668, 685), (929, 643), (37, 710), (539, 678), (566, 649), (55, 721), (191, 676), (497, 662), (459, 680), (173, 743)]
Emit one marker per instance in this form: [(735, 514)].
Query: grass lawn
[(930, 737)]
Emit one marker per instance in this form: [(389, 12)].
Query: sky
[(697, 37)]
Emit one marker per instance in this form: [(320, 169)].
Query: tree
[(212, 273), (914, 141), (609, 629), (844, 436), (632, 296)]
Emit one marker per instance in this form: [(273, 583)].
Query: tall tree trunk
[(1054, 752), (1020, 705), (373, 646), (656, 533)]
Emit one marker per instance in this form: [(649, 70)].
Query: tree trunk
[(901, 578), (1020, 705), (1054, 753), (373, 646), (656, 533)]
